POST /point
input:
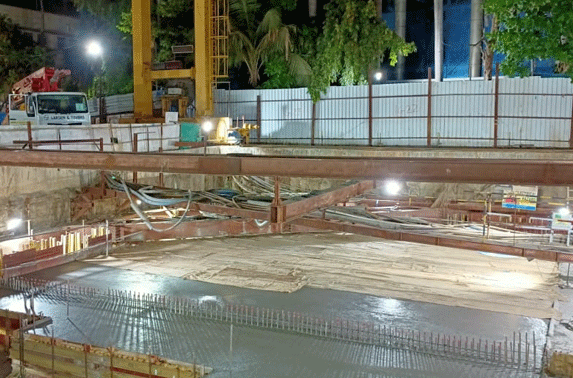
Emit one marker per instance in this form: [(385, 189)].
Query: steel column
[(496, 106), (429, 114), (142, 97), (203, 69)]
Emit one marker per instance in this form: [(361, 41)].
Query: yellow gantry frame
[(143, 76)]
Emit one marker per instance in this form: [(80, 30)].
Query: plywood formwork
[(66, 359)]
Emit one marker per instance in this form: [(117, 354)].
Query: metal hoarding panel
[(286, 116), (534, 112), (462, 113), (342, 116), (399, 114)]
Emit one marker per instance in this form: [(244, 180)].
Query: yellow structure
[(211, 36)]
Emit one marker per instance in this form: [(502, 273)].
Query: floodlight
[(13, 223), (393, 187)]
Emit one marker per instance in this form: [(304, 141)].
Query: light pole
[(95, 50)]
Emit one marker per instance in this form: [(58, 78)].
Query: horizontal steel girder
[(540, 254), (483, 171)]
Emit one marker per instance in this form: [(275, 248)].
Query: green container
[(190, 132)]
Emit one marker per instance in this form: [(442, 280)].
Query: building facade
[(52, 30)]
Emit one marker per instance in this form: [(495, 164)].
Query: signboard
[(520, 198), (561, 221)]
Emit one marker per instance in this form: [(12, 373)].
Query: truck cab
[(49, 108)]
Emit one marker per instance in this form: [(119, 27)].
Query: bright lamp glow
[(393, 187), (564, 211), (378, 75), (138, 202), (207, 126), (94, 49), (13, 223)]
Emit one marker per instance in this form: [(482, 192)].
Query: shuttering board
[(68, 359)]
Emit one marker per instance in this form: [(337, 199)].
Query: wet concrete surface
[(256, 352), (419, 316), (263, 352)]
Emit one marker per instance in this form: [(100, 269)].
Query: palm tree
[(253, 46)]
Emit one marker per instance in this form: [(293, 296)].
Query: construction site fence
[(109, 137), (503, 112), (521, 351)]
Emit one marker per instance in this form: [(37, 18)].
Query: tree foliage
[(353, 41), (272, 42), (532, 29), (19, 55)]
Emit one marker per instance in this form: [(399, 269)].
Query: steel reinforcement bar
[(521, 351)]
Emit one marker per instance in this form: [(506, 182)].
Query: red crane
[(46, 79)]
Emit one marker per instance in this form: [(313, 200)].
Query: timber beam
[(474, 171), (540, 254)]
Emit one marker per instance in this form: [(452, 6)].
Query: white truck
[(37, 99), (49, 108)]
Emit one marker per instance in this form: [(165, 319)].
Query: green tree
[(19, 55), (532, 29), (272, 40), (100, 19), (353, 41)]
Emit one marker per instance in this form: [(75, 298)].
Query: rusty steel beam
[(233, 211), (480, 171), (539, 254), (329, 198), (212, 228)]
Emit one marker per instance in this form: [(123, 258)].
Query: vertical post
[(53, 341), (100, 145), (277, 208), (571, 128), (439, 39), (370, 108), (203, 65), (143, 99), (134, 149), (29, 125), (496, 106), (107, 237), (160, 151), (259, 118), (231, 352), (312, 124), (429, 116)]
